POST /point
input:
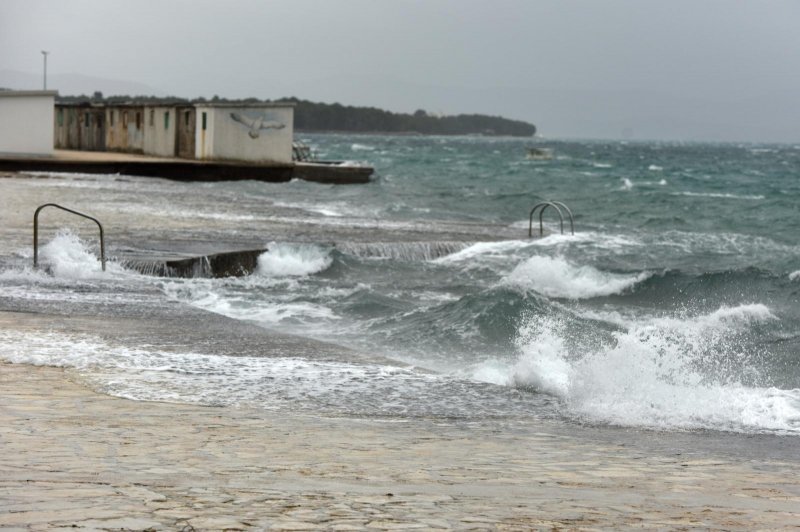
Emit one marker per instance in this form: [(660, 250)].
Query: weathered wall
[(260, 133), (64, 137), (80, 127), (185, 132), (125, 128), (26, 122), (159, 131)]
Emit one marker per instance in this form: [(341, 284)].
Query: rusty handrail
[(36, 232)]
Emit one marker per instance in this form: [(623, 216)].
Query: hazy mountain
[(74, 84)]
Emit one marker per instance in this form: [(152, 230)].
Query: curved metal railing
[(36, 232), (557, 205)]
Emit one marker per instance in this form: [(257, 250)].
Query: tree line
[(316, 116)]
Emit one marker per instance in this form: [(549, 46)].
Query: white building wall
[(26, 122), (159, 132), (261, 133)]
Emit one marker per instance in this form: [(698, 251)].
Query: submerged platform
[(72, 161)]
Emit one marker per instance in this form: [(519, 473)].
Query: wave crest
[(555, 277), (692, 372)]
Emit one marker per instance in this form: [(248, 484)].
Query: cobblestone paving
[(71, 458)]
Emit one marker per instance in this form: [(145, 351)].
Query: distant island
[(334, 117), (311, 116)]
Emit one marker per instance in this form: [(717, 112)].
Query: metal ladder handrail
[(569, 212), (557, 206), (544, 205), (36, 232)]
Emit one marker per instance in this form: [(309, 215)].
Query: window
[(204, 121), (111, 114), (166, 120), (124, 118), (138, 120), (152, 117), (60, 117), (86, 119), (186, 118)]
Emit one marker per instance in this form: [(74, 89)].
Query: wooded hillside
[(314, 116)]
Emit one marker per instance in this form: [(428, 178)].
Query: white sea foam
[(326, 209), (602, 165), (362, 147), (166, 209), (601, 240), (722, 243), (627, 184), (149, 374), (555, 277), (674, 372), (483, 249), (66, 256), (655, 168), (352, 164), (276, 304), (290, 260), (720, 195), (794, 276)]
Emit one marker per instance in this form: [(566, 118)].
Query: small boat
[(539, 154)]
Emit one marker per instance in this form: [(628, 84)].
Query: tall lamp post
[(44, 53)]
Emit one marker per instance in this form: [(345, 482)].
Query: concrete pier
[(184, 169)]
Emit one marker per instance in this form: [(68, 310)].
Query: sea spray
[(288, 260), (67, 256), (676, 372)]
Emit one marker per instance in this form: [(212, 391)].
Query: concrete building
[(260, 133), (26, 122), (80, 127), (125, 128), (185, 132), (160, 130)]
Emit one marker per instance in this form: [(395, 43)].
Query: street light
[(45, 68)]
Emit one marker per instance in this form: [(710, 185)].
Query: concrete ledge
[(75, 459), (190, 170)]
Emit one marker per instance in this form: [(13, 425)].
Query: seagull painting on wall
[(256, 124)]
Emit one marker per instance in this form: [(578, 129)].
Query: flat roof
[(87, 103), (240, 105), (27, 93)]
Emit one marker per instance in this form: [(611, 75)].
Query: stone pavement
[(71, 458)]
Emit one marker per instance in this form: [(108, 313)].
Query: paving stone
[(123, 523), (181, 466)]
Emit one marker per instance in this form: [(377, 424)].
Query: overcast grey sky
[(678, 69)]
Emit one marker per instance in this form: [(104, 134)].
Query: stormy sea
[(674, 307)]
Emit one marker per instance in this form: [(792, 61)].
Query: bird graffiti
[(256, 124)]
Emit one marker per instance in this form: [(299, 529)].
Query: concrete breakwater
[(186, 170), (226, 264)]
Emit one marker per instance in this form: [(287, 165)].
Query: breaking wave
[(555, 277), (290, 260), (688, 372)]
